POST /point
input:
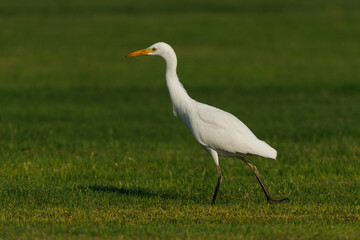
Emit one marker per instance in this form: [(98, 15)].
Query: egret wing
[(218, 119), (224, 132)]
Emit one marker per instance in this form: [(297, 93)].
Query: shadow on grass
[(136, 192)]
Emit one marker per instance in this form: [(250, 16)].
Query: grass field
[(90, 149)]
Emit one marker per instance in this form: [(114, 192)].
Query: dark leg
[(217, 188), (215, 156), (256, 172)]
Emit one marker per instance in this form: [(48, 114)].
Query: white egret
[(217, 131)]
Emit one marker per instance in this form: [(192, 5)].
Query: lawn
[(90, 149)]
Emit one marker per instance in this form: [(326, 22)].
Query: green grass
[(89, 148)]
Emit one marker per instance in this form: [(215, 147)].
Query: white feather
[(219, 132), (213, 128)]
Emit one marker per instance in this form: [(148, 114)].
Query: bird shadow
[(133, 192)]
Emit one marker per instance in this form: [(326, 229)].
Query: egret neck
[(179, 98)]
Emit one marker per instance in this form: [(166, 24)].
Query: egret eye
[(154, 49)]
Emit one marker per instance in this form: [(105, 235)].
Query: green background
[(90, 149)]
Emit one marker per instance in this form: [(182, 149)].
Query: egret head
[(158, 49)]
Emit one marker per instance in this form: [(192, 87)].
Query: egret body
[(217, 131)]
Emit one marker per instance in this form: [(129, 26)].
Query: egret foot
[(256, 172), (270, 201)]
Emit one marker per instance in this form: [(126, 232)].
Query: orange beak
[(140, 52)]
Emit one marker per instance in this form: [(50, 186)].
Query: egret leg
[(215, 156), (256, 172), (217, 185)]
